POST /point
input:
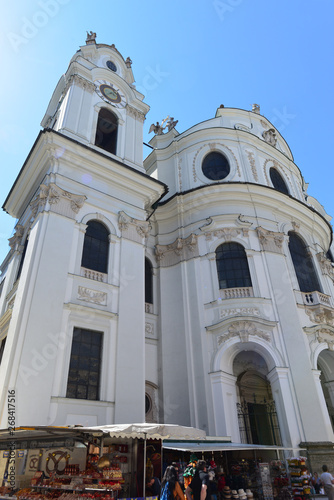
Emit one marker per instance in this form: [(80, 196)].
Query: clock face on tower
[(109, 94)]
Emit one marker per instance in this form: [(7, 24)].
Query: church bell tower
[(72, 308), (96, 103)]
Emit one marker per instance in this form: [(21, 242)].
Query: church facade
[(193, 288)]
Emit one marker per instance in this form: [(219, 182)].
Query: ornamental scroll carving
[(325, 265), (92, 296), (251, 159), (239, 311), (80, 82), (133, 229), (181, 249), (320, 315), (60, 201), (227, 234), (16, 239), (243, 329), (270, 240), (149, 329)]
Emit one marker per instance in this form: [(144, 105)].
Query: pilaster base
[(319, 453)]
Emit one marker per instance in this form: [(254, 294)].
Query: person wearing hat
[(200, 484)]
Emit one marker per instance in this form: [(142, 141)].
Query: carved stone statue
[(157, 129), (91, 36), (171, 123), (128, 62), (256, 108), (270, 136)]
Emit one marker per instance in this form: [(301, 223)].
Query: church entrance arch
[(257, 417), (250, 382), (325, 365)]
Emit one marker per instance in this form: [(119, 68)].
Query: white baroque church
[(194, 288)]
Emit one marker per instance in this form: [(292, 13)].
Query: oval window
[(215, 166), (111, 66)]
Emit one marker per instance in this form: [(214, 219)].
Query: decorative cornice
[(243, 329), (133, 229), (134, 113), (181, 249), (82, 83), (270, 241), (60, 201)]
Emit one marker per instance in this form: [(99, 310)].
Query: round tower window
[(215, 166), (111, 66)]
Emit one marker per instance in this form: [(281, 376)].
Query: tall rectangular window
[(1, 286), (84, 373), (2, 347)]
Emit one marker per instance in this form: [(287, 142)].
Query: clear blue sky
[(189, 56)]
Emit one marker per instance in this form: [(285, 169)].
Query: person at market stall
[(200, 484), (213, 484), (327, 481), (315, 481), (153, 487), (221, 484), (170, 482)]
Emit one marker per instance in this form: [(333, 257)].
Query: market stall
[(100, 462), (247, 470)]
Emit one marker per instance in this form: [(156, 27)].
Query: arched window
[(278, 181), (215, 166), (232, 266), (96, 247), (148, 282), (303, 264), (106, 131)]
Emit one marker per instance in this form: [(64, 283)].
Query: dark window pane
[(278, 181), (71, 391), (84, 371), (2, 347), (303, 264), (148, 282), (106, 131), (232, 266), (2, 285), (215, 166), (96, 247)]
